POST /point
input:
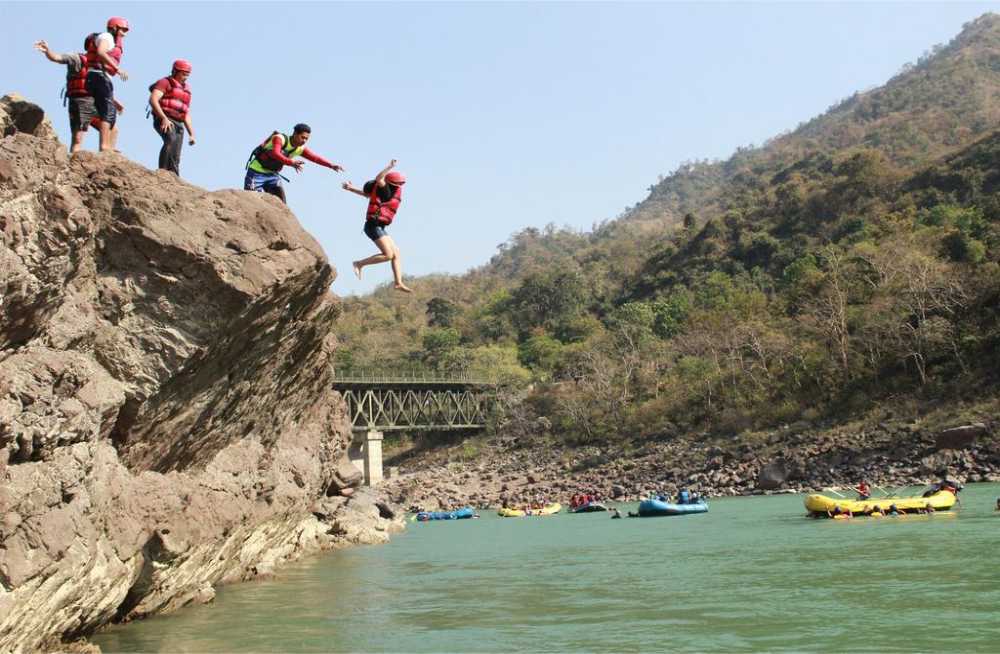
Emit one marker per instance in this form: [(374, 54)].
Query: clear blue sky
[(503, 115)]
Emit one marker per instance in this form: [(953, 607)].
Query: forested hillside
[(850, 262)]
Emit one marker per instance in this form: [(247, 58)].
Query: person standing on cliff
[(104, 57), (170, 101), (82, 111), (277, 151), (384, 194)]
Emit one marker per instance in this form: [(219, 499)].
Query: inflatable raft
[(551, 509), (655, 508), (821, 504), (461, 514), (589, 507)]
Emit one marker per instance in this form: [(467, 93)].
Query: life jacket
[(383, 212), (115, 53), (76, 83), (176, 100), (262, 161)]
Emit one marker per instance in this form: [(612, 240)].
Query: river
[(752, 574)]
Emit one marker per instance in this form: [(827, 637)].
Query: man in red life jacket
[(864, 491), (82, 111), (104, 58), (276, 152), (170, 100), (384, 194)]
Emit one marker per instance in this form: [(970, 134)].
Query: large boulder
[(960, 438), (772, 475), (166, 418)]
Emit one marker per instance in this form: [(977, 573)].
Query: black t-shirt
[(384, 193)]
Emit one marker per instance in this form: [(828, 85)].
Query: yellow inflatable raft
[(551, 509), (940, 501)]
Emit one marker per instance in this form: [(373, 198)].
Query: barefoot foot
[(403, 287), (357, 269)]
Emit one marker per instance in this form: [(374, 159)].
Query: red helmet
[(396, 177), (182, 65), (117, 21)]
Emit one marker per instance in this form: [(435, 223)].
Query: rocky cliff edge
[(166, 418)]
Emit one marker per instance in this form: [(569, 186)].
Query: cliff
[(166, 418)]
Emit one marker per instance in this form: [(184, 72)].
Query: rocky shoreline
[(888, 453)]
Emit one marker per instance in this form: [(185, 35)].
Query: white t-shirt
[(104, 37)]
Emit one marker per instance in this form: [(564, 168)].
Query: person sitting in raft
[(683, 497), (384, 194), (945, 484), (894, 510), (928, 509), (877, 510), (838, 511), (864, 490)]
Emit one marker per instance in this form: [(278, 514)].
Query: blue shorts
[(103, 91), (261, 182), (374, 231)]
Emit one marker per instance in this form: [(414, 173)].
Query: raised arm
[(380, 178)]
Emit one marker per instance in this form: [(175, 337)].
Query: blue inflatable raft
[(461, 514), (653, 508)]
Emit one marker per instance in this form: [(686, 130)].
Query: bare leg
[(389, 252), (105, 130), (76, 142), (114, 138)]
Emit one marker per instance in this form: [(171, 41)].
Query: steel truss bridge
[(414, 401)]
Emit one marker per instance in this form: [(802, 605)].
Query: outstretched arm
[(348, 186), (380, 178), (44, 48), (316, 159)]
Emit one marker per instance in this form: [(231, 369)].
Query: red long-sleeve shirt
[(308, 154)]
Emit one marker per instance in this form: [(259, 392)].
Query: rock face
[(166, 418)]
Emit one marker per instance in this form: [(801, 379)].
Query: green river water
[(753, 574)]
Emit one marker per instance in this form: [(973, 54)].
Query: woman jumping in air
[(384, 194)]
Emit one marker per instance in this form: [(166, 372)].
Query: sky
[(503, 115)]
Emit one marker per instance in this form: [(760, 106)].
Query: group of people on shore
[(90, 99)]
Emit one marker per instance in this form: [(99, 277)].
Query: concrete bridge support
[(366, 455)]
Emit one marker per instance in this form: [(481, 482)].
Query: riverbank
[(887, 450)]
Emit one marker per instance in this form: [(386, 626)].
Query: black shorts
[(99, 85), (81, 111), (374, 231)]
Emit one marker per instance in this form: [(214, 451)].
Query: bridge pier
[(373, 457), (366, 455)]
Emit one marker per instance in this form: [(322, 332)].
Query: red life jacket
[(383, 212), (76, 83), (176, 100), (115, 53)]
